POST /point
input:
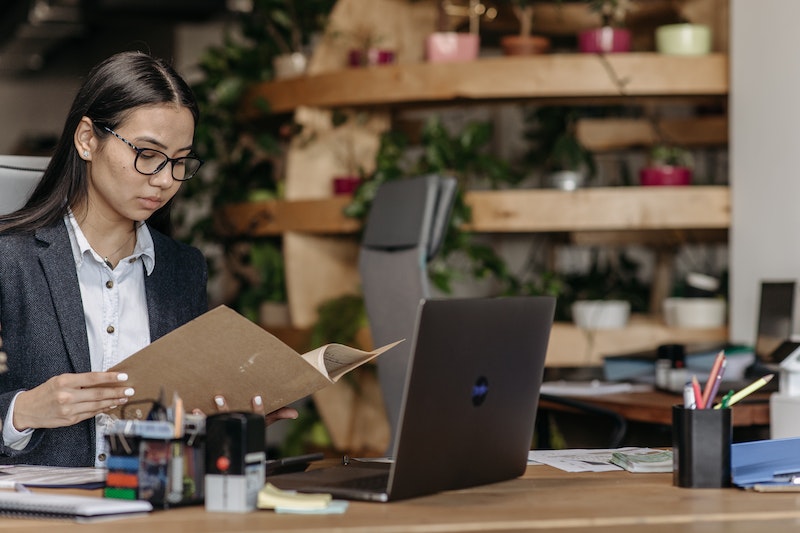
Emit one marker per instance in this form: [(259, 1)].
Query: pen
[(712, 378), (698, 396), (725, 399), (688, 396), (750, 389)]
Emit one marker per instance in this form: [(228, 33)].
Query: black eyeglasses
[(149, 161)]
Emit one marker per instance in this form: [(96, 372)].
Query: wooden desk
[(544, 499), (655, 407), (649, 415)]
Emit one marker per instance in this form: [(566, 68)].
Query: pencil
[(750, 389), (698, 396), (712, 378), (717, 381)]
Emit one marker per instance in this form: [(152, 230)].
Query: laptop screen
[(775, 319)]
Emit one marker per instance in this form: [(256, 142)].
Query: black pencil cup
[(701, 447)]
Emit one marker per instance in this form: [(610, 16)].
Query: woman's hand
[(258, 407), (67, 399)]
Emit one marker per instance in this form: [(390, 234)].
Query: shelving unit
[(552, 76), (633, 214), (511, 211)]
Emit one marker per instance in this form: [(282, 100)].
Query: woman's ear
[(85, 139)]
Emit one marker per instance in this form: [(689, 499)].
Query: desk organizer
[(701, 447), (167, 472)]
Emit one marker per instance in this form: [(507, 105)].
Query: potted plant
[(525, 42), (259, 269), (668, 165), (291, 30), (683, 38), (366, 49), (556, 149), (447, 44), (609, 37), (605, 295)]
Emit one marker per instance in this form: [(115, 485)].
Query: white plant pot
[(289, 65), (694, 312), (601, 314), (567, 180)]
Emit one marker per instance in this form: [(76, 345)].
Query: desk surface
[(544, 499), (656, 407)]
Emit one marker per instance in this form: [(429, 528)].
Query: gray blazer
[(44, 331)]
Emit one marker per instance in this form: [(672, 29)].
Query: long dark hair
[(113, 89)]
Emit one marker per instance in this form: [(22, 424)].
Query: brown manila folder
[(222, 352)]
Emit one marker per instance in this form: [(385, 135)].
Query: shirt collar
[(144, 248)]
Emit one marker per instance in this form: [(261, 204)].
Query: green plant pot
[(683, 39)]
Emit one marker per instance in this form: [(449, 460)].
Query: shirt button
[(102, 457), (110, 329), (109, 284), (132, 260)]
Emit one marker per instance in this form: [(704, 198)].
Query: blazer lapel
[(57, 261), (158, 294)]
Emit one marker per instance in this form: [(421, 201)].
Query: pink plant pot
[(449, 46), (604, 40), (345, 184), (370, 57), (665, 176)]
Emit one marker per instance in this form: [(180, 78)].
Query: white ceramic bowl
[(601, 314), (694, 312), (683, 39)]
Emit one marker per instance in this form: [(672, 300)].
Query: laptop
[(469, 403), (18, 177)]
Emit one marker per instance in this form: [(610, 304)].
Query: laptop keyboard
[(376, 482)]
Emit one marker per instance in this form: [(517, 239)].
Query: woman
[(84, 280)]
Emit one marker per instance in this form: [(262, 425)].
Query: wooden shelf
[(498, 78), (569, 345), (573, 346), (511, 211)]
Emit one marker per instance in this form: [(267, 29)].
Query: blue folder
[(765, 461)]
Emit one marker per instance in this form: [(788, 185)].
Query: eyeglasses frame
[(168, 160)]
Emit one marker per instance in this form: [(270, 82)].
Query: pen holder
[(165, 472), (701, 447)]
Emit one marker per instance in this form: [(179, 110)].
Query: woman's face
[(117, 191)]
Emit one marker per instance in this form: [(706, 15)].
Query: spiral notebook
[(70, 507)]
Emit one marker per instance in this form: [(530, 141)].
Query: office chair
[(405, 228), (613, 423), (18, 177)]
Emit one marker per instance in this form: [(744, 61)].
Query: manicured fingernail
[(122, 376), (219, 400), (129, 391), (258, 401)]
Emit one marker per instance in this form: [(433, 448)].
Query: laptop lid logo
[(479, 391)]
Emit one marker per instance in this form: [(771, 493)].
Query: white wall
[(764, 153)]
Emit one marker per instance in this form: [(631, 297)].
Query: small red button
[(223, 463)]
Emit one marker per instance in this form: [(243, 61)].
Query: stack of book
[(644, 460)]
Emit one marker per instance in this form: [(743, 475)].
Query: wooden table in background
[(655, 407)]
